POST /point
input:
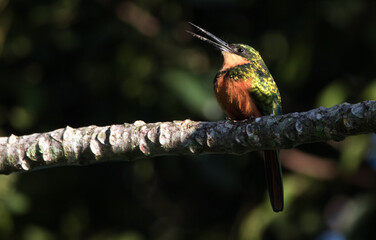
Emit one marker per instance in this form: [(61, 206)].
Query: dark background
[(101, 62)]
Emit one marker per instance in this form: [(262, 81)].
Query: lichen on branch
[(129, 142)]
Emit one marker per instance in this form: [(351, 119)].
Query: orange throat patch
[(231, 60)]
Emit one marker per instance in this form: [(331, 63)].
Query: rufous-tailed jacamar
[(245, 88)]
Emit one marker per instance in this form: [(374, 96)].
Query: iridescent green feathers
[(244, 88), (264, 90)]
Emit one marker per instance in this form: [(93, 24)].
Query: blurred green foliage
[(77, 63)]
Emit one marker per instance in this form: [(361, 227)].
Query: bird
[(244, 88)]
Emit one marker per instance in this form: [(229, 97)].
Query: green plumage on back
[(245, 88), (263, 90)]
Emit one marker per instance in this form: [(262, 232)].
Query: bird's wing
[(265, 92)]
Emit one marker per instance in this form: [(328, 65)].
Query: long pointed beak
[(217, 42)]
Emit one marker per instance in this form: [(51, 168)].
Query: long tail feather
[(273, 174)]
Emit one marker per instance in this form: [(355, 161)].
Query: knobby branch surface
[(69, 146)]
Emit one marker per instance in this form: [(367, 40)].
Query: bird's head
[(233, 54)]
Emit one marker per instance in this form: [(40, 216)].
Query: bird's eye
[(240, 50)]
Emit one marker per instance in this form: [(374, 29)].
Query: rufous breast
[(234, 97)]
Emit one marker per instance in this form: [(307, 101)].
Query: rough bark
[(69, 146)]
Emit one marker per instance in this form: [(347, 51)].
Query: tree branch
[(69, 146)]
